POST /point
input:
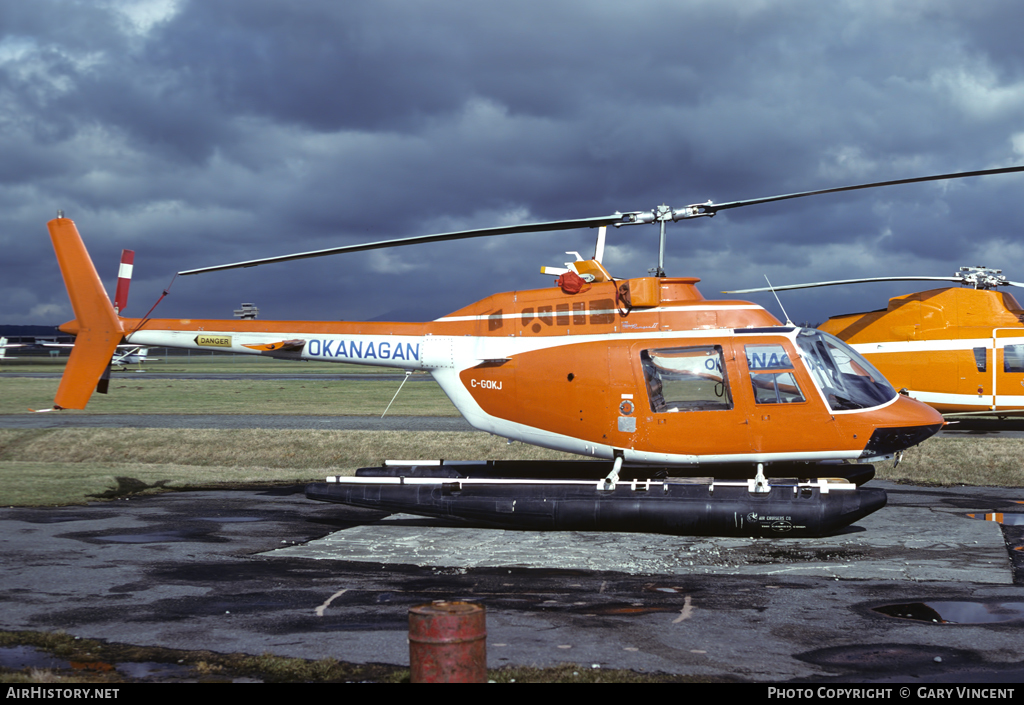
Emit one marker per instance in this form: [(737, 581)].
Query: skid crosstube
[(790, 508)]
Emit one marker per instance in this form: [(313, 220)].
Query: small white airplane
[(3, 348), (134, 355)]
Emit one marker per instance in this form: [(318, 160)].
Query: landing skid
[(489, 494), (597, 469)]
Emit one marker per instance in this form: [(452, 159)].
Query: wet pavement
[(258, 571)]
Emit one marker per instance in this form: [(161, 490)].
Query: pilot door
[(787, 411)]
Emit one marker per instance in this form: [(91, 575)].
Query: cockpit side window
[(686, 379), (772, 383), (847, 380)]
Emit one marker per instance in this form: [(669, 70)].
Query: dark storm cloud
[(204, 132)]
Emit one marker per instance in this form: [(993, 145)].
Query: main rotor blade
[(712, 208), (844, 281), (441, 237), (661, 214)]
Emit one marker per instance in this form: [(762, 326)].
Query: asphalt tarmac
[(259, 571), (267, 570)]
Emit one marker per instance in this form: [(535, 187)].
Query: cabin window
[(562, 314), (1013, 358), (579, 313), (686, 379), (771, 382), (979, 358)]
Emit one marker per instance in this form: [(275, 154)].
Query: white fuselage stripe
[(598, 312), (972, 400), (906, 346)]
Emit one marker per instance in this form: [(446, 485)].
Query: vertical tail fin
[(96, 326)]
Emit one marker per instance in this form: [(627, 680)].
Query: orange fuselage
[(644, 369), (564, 371), (957, 349)]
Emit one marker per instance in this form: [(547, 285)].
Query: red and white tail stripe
[(124, 280)]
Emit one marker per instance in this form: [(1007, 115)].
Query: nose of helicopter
[(901, 425)]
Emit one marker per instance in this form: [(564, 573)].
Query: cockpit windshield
[(847, 380)]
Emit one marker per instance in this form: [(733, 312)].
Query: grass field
[(73, 466), (208, 666), (204, 363), (61, 466), (149, 394)]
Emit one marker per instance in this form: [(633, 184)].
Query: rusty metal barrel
[(448, 643)]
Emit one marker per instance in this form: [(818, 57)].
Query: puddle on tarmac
[(954, 612), (228, 520), (655, 587), (1004, 518), (20, 657), (155, 537), (632, 609), (152, 669)]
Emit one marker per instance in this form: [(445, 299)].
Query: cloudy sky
[(210, 131)]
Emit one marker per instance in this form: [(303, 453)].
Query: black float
[(475, 493)]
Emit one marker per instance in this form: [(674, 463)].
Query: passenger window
[(686, 379), (771, 383), (1013, 358)]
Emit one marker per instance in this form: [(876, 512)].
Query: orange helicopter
[(643, 373), (957, 349)]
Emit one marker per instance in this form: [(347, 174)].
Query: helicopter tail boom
[(96, 325)]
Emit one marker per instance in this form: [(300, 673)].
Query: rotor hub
[(981, 277)]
